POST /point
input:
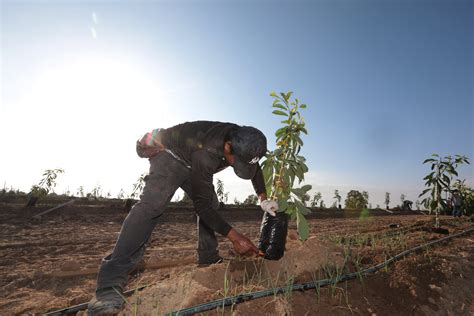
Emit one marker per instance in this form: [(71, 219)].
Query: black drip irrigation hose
[(259, 294)]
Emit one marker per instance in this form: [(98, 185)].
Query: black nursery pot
[(273, 233)]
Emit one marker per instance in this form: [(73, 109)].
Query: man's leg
[(160, 186), (207, 241)]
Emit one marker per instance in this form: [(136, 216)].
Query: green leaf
[(299, 140), (300, 192), (286, 179), (424, 192), (280, 131), (288, 95), (306, 187), (303, 209), (280, 106), (303, 106), (299, 172), (268, 172), (429, 176), (278, 151), (282, 205), (304, 167), (273, 94), (302, 226), (278, 112)]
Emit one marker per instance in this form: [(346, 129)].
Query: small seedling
[(45, 186), (438, 180)]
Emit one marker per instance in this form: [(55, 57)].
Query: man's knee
[(147, 210)]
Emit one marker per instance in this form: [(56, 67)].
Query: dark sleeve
[(202, 171), (258, 182)]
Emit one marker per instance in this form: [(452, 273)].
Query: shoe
[(108, 301), (206, 263)]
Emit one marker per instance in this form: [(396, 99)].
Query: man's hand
[(242, 244), (269, 206)]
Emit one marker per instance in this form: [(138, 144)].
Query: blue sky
[(387, 84)]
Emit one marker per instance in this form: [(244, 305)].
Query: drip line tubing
[(259, 294)]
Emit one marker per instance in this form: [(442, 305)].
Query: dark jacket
[(200, 146)]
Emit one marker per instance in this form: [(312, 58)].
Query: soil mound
[(238, 276)]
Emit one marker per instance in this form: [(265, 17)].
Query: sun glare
[(95, 84)]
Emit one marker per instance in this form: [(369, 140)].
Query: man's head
[(244, 148)]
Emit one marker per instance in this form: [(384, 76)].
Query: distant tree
[(317, 196), (417, 204), (321, 204), (121, 194), (365, 194), (337, 197), (138, 186), (377, 206), (305, 199), (226, 197), (221, 195), (67, 192), (236, 202), (402, 198), (96, 192), (252, 199), (80, 191), (355, 199), (387, 199)]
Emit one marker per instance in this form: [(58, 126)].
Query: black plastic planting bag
[(273, 233)]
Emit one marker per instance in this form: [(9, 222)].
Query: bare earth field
[(40, 261)]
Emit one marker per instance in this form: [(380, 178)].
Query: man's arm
[(201, 180), (259, 186)]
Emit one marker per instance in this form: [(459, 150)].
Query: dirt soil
[(38, 260)]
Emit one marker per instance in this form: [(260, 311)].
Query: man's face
[(227, 153)]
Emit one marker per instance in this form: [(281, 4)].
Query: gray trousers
[(166, 175)]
